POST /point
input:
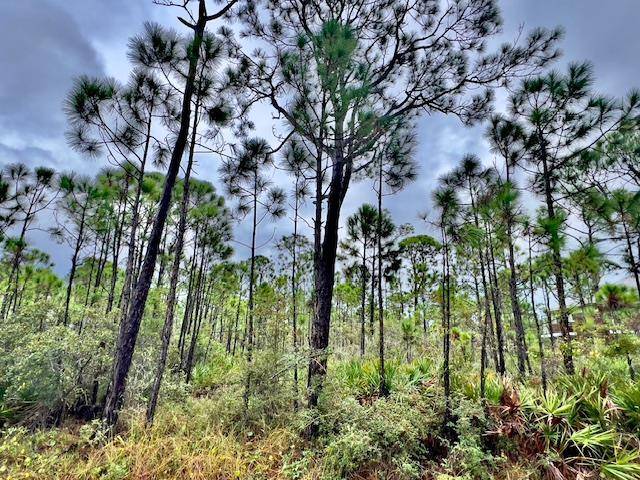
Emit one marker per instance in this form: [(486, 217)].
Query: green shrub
[(42, 373), (389, 431), (467, 459)]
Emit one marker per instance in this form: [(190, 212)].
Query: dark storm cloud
[(31, 156), (442, 141), (109, 19), (602, 32), (43, 49)]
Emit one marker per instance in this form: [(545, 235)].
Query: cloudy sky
[(44, 44)]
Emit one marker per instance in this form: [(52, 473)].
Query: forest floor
[(576, 431)]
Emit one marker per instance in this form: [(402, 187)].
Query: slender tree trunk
[(186, 318), (14, 274), (446, 307), (521, 342), (200, 292), (163, 261), (74, 264), (294, 298), (104, 252), (414, 289), (483, 359), (363, 298), (493, 286), (130, 327), (129, 274), (235, 329), (372, 293), (117, 242), (581, 300), (567, 351), (483, 341), (545, 294), (173, 282), (384, 388), (543, 367), (212, 332), (236, 321), (632, 261), (94, 261), (252, 269), (498, 354)]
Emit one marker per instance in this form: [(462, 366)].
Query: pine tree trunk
[(446, 321), (74, 264), (173, 282), (543, 367), (117, 242), (363, 298), (556, 256), (135, 219), (294, 299), (384, 388), (188, 365), (497, 302), (130, 327), (252, 269), (324, 276), (521, 342)]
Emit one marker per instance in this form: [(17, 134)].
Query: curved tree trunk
[(324, 275), (173, 282), (74, 265), (131, 324)]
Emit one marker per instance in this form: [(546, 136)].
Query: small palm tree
[(614, 297)]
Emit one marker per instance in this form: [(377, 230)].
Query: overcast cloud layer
[(44, 44)]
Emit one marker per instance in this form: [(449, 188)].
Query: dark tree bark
[(497, 301), (384, 388), (173, 282), (186, 318), (74, 265), (294, 297), (197, 322), (252, 276), (363, 299), (556, 256), (117, 242), (104, 252), (95, 261), (543, 367), (129, 274), (547, 304), (521, 342), (446, 324), (325, 273), (131, 324)]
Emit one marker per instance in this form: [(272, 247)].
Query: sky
[(45, 44)]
